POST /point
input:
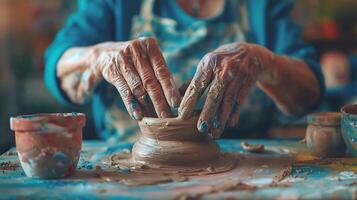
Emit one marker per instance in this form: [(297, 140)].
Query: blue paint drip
[(60, 156), (88, 165)]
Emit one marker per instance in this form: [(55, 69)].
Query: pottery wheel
[(173, 146)]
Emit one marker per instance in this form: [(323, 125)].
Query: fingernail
[(203, 127), (175, 101), (165, 114)]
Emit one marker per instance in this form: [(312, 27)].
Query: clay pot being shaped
[(173, 141), (48, 145)]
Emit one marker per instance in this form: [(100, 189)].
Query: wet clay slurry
[(168, 150)]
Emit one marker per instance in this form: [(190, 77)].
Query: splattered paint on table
[(284, 170)]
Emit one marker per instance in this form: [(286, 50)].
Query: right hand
[(136, 68)]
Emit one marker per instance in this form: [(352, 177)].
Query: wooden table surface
[(285, 170)]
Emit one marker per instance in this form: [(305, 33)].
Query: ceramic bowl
[(349, 127), (48, 145)]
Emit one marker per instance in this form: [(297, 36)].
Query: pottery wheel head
[(173, 141)]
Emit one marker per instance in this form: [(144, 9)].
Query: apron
[(183, 48)]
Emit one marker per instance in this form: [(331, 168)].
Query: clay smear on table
[(170, 149), (257, 148)]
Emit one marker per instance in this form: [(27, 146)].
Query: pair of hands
[(139, 72)]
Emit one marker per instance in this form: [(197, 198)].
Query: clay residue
[(137, 178), (317, 161), (11, 153), (124, 161), (9, 165), (282, 174), (257, 148), (232, 185), (226, 186), (168, 150)]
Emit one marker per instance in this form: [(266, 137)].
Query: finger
[(199, 83), (133, 80), (69, 84), (212, 103), (235, 114), (225, 109), (226, 75), (112, 74), (241, 96), (150, 82), (162, 72), (88, 81), (251, 63)]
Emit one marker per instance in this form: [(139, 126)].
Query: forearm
[(291, 84)]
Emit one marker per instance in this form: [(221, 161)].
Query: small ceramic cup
[(48, 145), (349, 127), (323, 135)]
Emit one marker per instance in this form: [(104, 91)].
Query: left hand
[(229, 73)]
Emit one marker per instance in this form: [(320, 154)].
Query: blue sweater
[(97, 21)]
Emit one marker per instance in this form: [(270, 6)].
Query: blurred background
[(28, 26)]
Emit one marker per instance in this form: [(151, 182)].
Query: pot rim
[(149, 121), (40, 122), (166, 129), (347, 106), (325, 118)]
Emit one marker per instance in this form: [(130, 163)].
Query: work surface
[(285, 170)]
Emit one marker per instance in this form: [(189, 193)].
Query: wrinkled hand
[(229, 73), (138, 71)]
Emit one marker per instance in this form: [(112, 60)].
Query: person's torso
[(184, 40)]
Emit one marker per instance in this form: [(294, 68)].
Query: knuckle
[(124, 92), (161, 71), (150, 83), (112, 73), (150, 41), (211, 56), (154, 88), (209, 60)]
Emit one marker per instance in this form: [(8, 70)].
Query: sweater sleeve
[(284, 37), (92, 23)]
